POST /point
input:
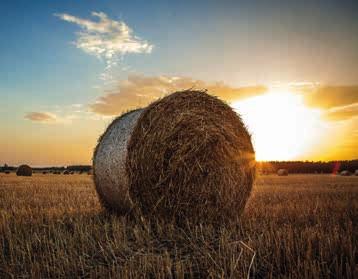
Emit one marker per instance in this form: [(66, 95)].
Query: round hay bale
[(282, 172), (24, 170), (345, 173), (185, 157)]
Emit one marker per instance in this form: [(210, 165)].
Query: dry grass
[(300, 226)]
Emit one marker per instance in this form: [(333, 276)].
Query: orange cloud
[(343, 112), (41, 117), (338, 102), (330, 96), (139, 91)]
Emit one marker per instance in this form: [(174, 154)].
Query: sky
[(68, 67)]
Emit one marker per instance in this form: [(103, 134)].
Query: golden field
[(299, 226)]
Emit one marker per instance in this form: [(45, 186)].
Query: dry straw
[(186, 157), (24, 170)]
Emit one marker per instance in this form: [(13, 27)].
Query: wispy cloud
[(76, 105), (44, 117), (137, 91), (342, 112), (65, 114), (52, 118), (106, 37)]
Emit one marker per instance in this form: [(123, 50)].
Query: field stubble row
[(300, 226)]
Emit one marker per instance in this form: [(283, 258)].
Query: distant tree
[(79, 168), (6, 168), (332, 167)]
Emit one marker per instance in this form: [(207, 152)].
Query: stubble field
[(300, 226)]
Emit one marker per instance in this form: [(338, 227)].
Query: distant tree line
[(83, 168), (7, 168), (308, 166), (263, 167), (74, 168)]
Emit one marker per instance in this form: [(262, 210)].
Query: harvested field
[(299, 226)]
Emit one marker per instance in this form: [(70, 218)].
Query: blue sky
[(240, 43), (186, 36)]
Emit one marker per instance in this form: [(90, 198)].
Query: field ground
[(300, 226)]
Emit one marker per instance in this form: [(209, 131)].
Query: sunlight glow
[(282, 127)]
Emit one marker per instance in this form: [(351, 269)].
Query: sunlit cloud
[(324, 96), (52, 118), (66, 114), (338, 102), (282, 127), (43, 117), (139, 91), (342, 112)]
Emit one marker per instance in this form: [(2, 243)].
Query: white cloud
[(106, 38)]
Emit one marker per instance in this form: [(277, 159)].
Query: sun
[(282, 126)]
